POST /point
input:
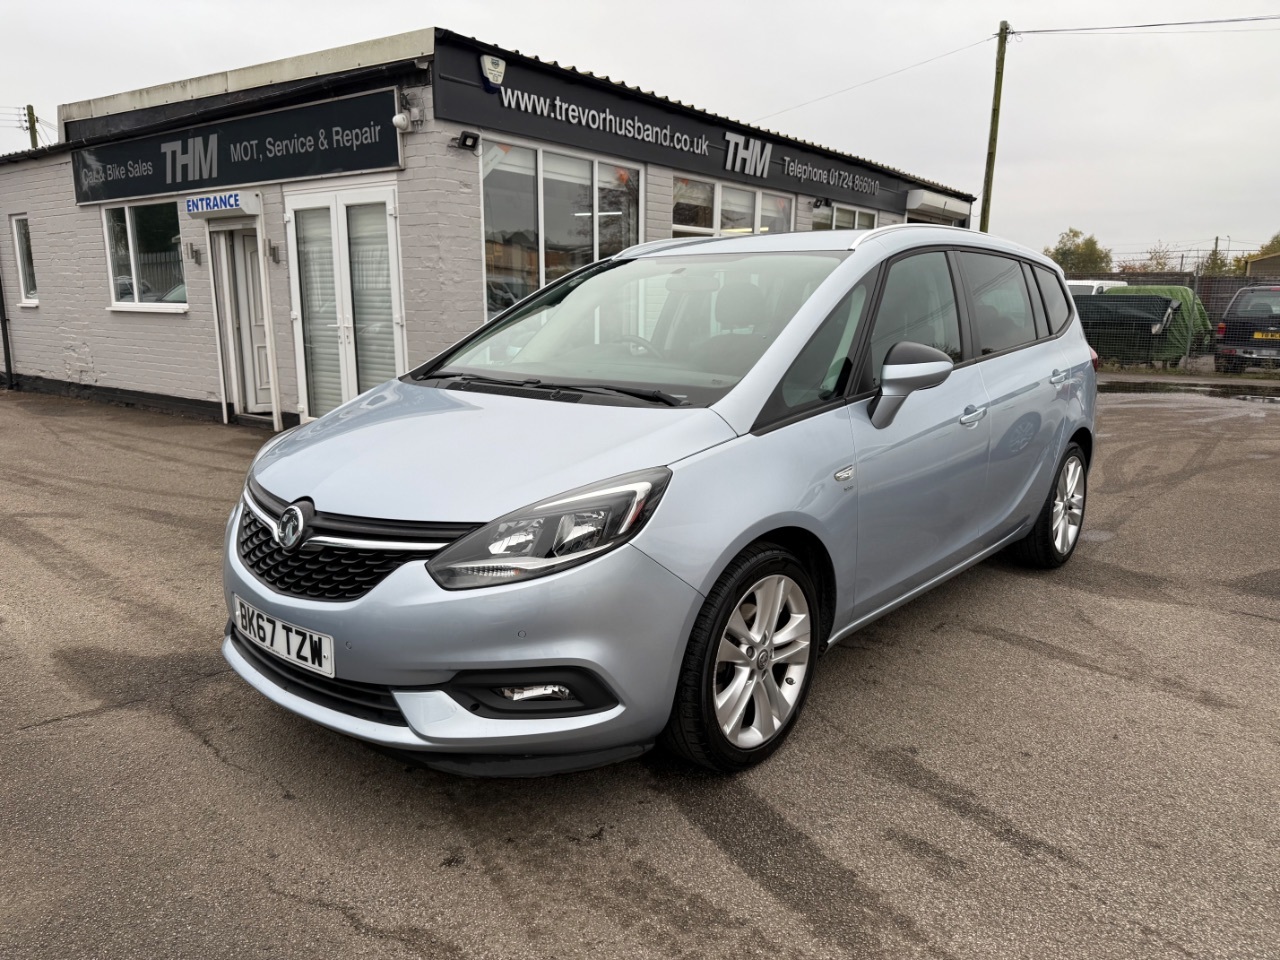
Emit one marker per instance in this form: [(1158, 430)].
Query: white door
[(347, 312), (252, 335)]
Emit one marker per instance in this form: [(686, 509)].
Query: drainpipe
[(4, 335)]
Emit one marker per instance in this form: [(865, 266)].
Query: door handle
[(1059, 376), (972, 415)]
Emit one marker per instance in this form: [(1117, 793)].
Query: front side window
[(918, 305), (821, 370), (689, 325), (1002, 316), (26, 262), (144, 253)]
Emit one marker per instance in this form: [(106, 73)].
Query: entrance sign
[(347, 135), (230, 204)]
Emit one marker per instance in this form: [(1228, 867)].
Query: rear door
[(920, 479), (1025, 375)]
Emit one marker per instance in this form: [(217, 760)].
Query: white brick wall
[(72, 335)]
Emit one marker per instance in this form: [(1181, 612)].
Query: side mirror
[(908, 367)]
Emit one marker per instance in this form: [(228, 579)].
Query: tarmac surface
[(1080, 764)]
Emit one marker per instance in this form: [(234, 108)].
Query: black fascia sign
[(543, 103), (346, 135)]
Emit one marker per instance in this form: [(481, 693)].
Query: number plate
[(301, 647), (1266, 335)]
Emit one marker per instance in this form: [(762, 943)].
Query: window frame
[(974, 351), (539, 147), (833, 207), (689, 233), (135, 305), (25, 297), (1038, 307)]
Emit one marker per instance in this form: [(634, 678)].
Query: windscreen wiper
[(481, 378), (653, 396)]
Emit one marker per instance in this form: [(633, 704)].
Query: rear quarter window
[(1055, 301)]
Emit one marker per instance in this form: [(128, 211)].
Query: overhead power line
[(883, 76), (1151, 26)]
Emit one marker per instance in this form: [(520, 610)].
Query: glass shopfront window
[(618, 208), (510, 224), (589, 209), (843, 218), (144, 252), (703, 209)]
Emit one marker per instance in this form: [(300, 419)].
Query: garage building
[(267, 243)]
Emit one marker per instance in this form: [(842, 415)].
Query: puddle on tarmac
[(1255, 391)]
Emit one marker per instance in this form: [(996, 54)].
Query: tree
[(1076, 253), (1215, 264), (1159, 259)]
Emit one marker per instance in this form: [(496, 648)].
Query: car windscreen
[(690, 326)]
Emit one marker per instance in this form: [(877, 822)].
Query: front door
[(347, 313), (238, 277), (921, 478)]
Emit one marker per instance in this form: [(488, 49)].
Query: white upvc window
[(841, 217), (144, 257), (548, 211), (27, 296), (705, 208)]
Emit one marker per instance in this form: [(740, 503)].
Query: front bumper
[(621, 616)]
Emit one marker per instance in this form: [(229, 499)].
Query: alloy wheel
[(761, 662), (1068, 505)]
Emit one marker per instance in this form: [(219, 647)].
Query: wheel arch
[(812, 553), (1084, 437)]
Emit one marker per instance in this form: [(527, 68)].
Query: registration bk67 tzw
[(301, 647)]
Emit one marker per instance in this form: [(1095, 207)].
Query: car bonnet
[(405, 451)]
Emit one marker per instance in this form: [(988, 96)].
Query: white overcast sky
[(1136, 138)]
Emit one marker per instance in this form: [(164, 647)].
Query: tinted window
[(919, 305), (1055, 301), (1264, 303), (1002, 315), (821, 370)]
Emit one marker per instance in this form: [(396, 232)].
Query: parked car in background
[(1249, 334), (639, 505), (1085, 288)]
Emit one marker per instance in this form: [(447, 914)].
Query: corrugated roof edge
[(605, 81)]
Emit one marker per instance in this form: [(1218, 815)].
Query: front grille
[(368, 701), (333, 573)]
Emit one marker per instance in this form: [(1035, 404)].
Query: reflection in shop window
[(693, 205), (737, 210), (822, 218), (618, 212), (566, 193), (144, 251), (775, 214), (510, 224)]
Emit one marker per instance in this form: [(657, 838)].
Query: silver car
[(640, 504)]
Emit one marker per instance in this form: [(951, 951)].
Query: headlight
[(552, 535)]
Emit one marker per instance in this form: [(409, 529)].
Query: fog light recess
[(531, 692), (539, 691)]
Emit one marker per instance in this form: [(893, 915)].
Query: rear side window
[(1055, 301), (1002, 316), (918, 304)]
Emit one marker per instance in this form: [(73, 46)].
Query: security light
[(468, 140)]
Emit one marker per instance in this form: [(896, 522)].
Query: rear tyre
[(749, 662), (1057, 530)]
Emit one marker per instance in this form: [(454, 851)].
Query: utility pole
[(1003, 36), (31, 126)]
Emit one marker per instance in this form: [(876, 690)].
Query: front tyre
[(749, 662), (1057, 530)]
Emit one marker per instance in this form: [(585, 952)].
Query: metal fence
[(1167, 329)]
